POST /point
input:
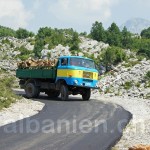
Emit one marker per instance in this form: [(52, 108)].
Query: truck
[(71, 75)]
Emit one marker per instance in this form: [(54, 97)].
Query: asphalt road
[(67, 125)]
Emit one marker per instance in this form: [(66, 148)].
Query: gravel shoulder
[(138, 130), (21, 109)]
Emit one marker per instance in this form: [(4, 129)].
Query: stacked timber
[(32, 63), (140, 147)]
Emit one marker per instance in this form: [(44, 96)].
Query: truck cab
[(77, 71), (72, 75)]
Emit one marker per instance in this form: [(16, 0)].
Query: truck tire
[(86, 95), (64, 92), (53, 94), (31, 90)]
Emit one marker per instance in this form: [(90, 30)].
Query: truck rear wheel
[(31, 90), (86, 94), (64, 92)]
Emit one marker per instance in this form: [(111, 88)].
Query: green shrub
[(137, 84), (145, 52), (25, 53), (31, 41), (12, 45), (128, 85), (140, 57), (6, 94), (148, 96), (147, 76), (107, 90), (131, 63), (113, 56), (6, 41)]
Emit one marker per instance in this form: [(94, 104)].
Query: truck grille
[(88, 75)]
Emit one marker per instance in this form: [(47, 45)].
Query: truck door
[(62, 68)]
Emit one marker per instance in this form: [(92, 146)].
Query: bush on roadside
[(6, 94)]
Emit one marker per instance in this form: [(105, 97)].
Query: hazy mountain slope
[(136, 25)]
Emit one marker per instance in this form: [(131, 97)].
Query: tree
[(83, 33), (114, 35), (74, 43), (53, 37), (23, 33), (98, 32), (39, 45), (145, 33), (44, 32), (4, 32), (126, 38)]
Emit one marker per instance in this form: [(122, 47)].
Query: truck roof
[(74, 57)]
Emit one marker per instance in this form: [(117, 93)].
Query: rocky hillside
[(10, 49), (128, 79), (125, 79)]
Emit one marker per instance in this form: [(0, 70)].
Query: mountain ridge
[(136, 25)]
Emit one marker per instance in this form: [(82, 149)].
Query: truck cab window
[(64, 61)]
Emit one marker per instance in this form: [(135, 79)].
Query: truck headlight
[(75, 82), (96, 84)]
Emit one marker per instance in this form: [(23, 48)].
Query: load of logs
[(140, 147), (32, 63)]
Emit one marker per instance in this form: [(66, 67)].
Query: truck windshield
[(81, 62)]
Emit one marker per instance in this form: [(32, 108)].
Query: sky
[(76, 14)]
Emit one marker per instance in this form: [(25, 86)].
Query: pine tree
[(98, 32), (114, 35), (126, 38)]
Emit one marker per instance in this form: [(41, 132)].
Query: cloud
[(82, 11), (13, 14), (36, 4)]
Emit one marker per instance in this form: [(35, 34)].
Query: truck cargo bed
[(36, 73)]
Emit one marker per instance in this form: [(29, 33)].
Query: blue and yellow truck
[(71, 75)]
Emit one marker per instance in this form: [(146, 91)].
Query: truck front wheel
[(64, 92), (31, 90), (86, 94)]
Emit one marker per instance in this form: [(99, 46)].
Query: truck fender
[(59, 83), (35, 81)]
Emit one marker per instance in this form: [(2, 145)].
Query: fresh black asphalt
[(103, 122)]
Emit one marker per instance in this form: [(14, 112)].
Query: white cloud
[(82, 11), (13, 14)]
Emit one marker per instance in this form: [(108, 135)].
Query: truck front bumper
[(81, 82)]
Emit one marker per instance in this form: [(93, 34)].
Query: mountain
[(136, 25)]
